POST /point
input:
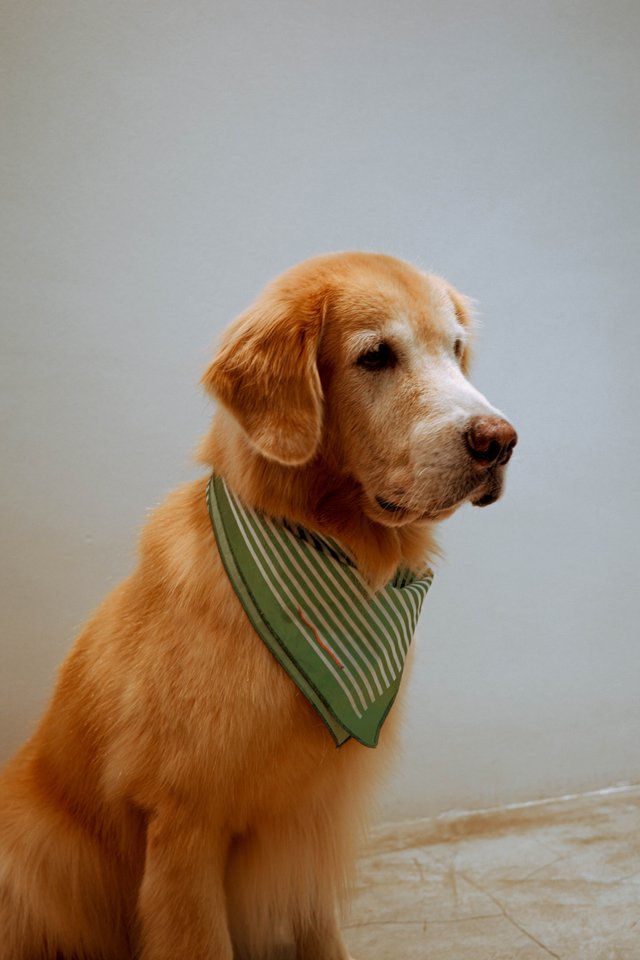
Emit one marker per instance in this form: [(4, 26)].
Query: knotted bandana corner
[(342, 645)]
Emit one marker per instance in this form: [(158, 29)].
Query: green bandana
[(342, 645)]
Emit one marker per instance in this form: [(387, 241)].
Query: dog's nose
[(490, 440)]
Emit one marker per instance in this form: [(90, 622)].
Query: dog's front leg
[(320, 939), (181, 907)]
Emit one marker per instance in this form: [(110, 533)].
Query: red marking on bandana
[(321, 642)]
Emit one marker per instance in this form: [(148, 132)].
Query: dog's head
[(359, 363)]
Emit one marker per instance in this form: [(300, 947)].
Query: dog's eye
[(458, 348), (380, 358)]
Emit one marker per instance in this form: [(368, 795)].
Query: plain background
[(163, 160)]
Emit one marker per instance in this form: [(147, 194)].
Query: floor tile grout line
[(425, 922), (508, 916)]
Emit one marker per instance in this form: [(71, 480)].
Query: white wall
[(164, 160)]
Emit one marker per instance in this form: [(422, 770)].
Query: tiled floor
[(559, 879)]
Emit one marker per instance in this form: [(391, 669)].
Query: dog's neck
[(315, 496)]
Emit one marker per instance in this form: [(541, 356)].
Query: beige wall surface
[(162, 160)]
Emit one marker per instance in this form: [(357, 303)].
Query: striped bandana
[(342, 645)]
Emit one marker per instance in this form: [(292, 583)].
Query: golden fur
[(180, 800)]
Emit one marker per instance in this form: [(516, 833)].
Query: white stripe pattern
[(344, 644)]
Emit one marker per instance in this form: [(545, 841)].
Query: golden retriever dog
[(180, 799)]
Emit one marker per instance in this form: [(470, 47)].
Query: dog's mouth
[(389, 506), (390, 513), (485, 500), (394, 513), (491, 490)]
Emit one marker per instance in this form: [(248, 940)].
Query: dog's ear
[(266, 376)]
